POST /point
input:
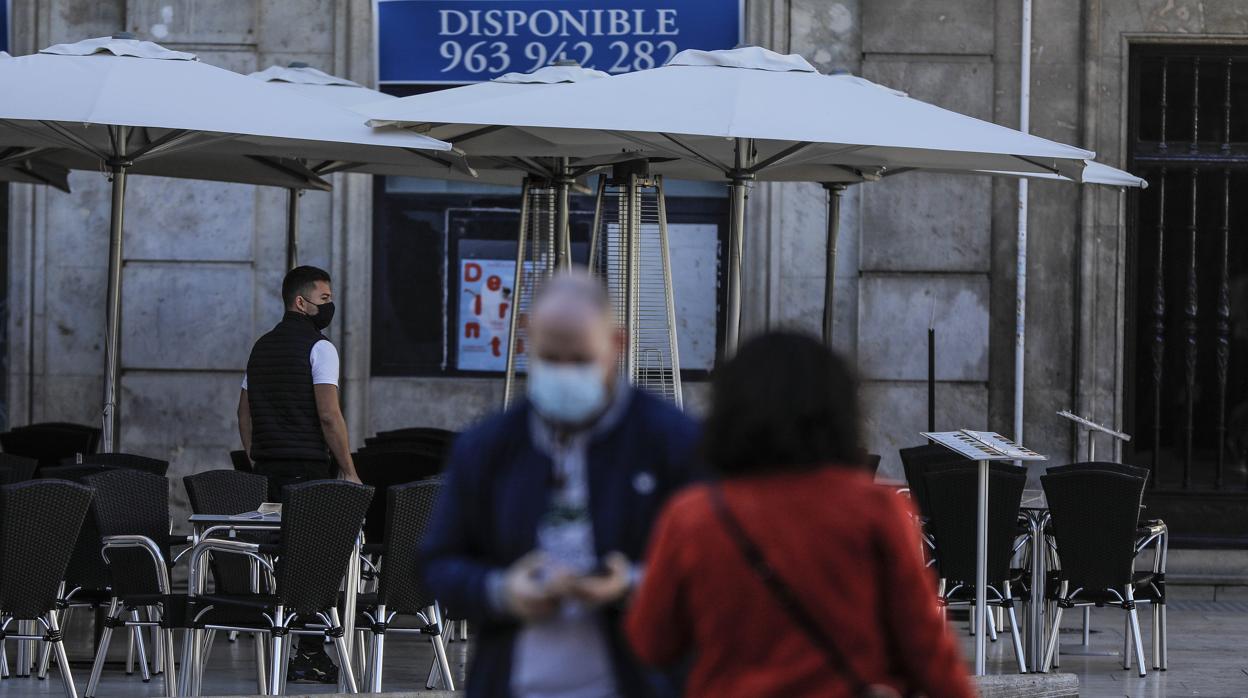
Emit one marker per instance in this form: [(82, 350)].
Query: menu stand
[(982, 447)]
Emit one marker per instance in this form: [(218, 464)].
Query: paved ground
[(1208, 657)]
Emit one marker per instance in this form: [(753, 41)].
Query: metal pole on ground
[(981, 570), (111, 441)]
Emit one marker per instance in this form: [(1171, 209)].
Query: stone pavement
[(1208, 657)]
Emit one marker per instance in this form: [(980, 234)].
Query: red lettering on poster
[(472, 272), (472, 330)]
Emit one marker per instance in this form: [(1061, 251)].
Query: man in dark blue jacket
[(547, 507)]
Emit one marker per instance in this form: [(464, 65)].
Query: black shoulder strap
[(783, 594)]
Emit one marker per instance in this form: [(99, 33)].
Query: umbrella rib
[(16, 154), (477, 133), (520, 164), (779, 157), (1042, 166), (310, 180), (166, 141), (459, 165), (708, 160), (68, 136), (34, 174)]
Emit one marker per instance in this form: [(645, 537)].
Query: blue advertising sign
[(459, 41)]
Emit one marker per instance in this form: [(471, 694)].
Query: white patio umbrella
[(23, 165), (302, 79), (740, 115), (117, 103)]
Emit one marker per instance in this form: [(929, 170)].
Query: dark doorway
[(1187, 376)]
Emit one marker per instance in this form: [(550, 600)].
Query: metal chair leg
[(1156, 636), (1135, 633), (278, 667), (375, 666), (167, 661), (62, 662), (344, 657), (106, 635), (140, 645), (158, 642), (4, 661), (1126, 641), (1165, 639), (130, 651), (439, 651), (1054, 638), (45, 656), (262, 682)]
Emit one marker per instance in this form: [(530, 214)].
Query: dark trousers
[(290, 472)]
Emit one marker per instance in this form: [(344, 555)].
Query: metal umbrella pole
[(738, 180), (563, 236), (292, 227), (829, 283), (118, 165)]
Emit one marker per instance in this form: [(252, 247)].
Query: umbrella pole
[(292, 227), (112, 334), (829, 283), (737, 179), (563, 236)]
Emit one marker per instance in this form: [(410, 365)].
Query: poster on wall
[(461, 41), (484, 313)]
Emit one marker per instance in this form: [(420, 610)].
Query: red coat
[(848, 550)]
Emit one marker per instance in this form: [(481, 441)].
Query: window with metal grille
[(1187, 359)]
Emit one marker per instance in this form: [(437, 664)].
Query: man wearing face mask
[(546, 508), (289, 416)]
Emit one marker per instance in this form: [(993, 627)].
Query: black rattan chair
[(132, 513), (129, 461), (39, 521), (17, 468), (952, 492), (915, 460), (1133, 470), (321, 522), (228, 492), (1095, 515), (50, 442), (400, 591), (384, 470)]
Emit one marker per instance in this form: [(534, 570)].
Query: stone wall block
[(186, 316), (927, 222), (927, 26), (189, 220), (193, 21), (895, 311)]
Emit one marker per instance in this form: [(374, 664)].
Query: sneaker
[(312, 667)]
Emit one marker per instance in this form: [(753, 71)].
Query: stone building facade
[(203, 260)]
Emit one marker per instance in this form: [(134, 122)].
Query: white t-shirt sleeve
[(324, 363), (244, 380)]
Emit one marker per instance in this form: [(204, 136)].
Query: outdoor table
[(206, 525)]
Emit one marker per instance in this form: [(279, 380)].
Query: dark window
[(1187, 401)]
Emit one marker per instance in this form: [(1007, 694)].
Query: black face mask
[(324, 315)]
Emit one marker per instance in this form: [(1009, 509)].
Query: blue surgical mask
[(566, 393)]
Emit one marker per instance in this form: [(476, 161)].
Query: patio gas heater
[(541, 249), (628, 251)]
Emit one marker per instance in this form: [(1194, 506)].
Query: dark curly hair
[(784, 402)]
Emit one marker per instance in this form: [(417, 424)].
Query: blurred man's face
[(570, 331)]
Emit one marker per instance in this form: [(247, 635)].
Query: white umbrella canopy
[(119, 103), (741, 114)]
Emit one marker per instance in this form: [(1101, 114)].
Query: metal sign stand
[(982, 447), (1091, 428)]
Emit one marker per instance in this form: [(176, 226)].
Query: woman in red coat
[(849, 608)]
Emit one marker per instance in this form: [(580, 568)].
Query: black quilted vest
[(284, 421)]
